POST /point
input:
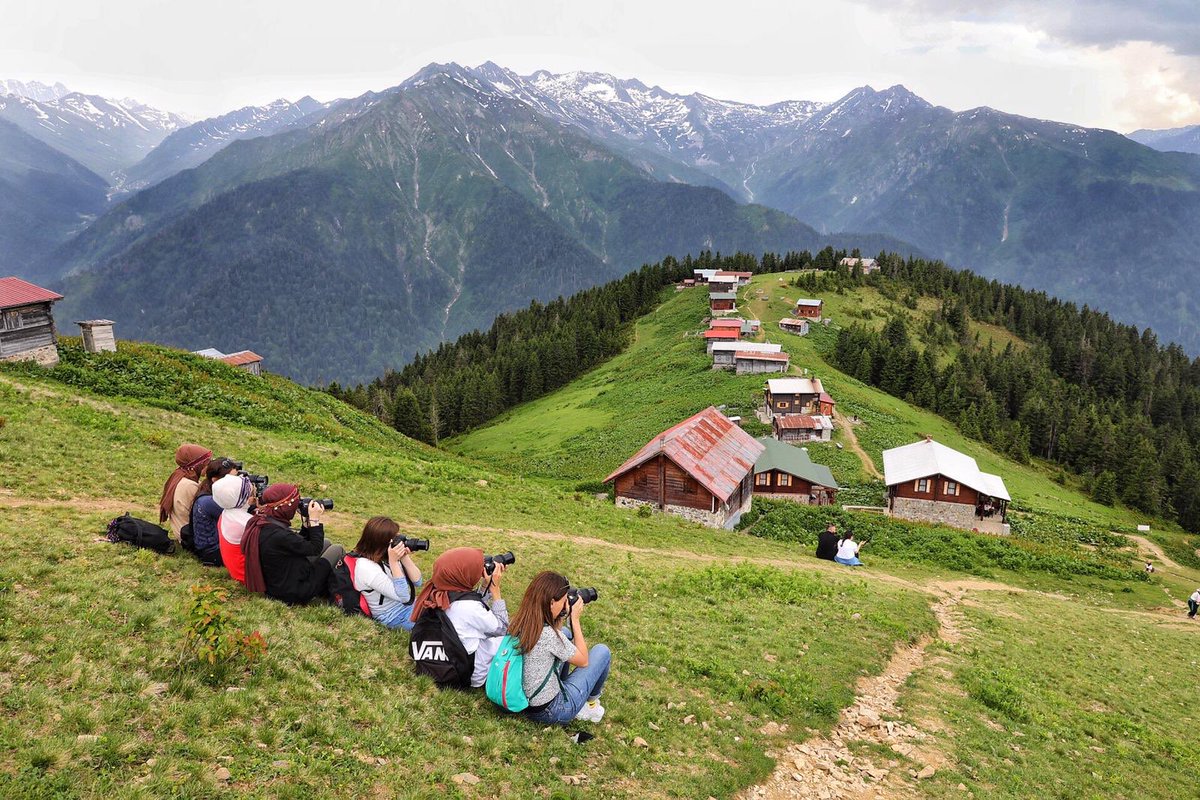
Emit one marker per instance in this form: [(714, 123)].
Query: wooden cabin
[(784, 472), (809, 309), (725, 353), (722, 303), (867, 265), (785, 396), (701, 469), (27, 330), (739, 278), (748, 362), (796, 326), (98, 335), (930, 482), (802, 428), (714, 335), (245, 360)]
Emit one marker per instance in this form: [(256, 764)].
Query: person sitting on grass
[(179, 492), (847, 551), (827, 543), (389, 587), (1194, 604), (285, 564), (234, 494), (480, 624), (206, 544), (556, 693)]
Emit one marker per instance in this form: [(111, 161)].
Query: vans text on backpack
[(436, 649)]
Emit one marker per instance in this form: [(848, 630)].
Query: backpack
[(506, 677), (436, 649), (140, 533), (341, 587)]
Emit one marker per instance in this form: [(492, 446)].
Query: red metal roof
[(16, 292), (728, 322), (825, 398), (243, 357), (707, 446), (753, 356), (724, 273), (797, 422), (723, 333)]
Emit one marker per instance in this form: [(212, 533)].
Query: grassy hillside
[(715, 635)]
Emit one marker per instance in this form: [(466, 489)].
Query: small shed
[(98, 335), (808, 308), (701, 469), (27, 330), (796, 326), (751, 363), (246, 360), (802, 428), (784, 472)]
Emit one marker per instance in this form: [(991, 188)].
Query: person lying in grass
[(206, 544), (389, 587), (288, 565), (556, 693), (179, 492)]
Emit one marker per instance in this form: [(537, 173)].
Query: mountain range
[(1181, 140), (464, 192)]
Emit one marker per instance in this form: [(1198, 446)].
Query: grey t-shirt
[(540, 660)]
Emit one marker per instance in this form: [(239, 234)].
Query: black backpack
[(436, 649), (140, 533), (341, 587)]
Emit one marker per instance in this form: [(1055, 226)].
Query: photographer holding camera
[(556, 696), (234, 494), (179, 492), (389, 587), (285, 564), (205, 543)]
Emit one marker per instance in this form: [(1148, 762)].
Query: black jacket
[(827, 545), (290, 566)]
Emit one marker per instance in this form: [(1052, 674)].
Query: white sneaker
[(591, 713)]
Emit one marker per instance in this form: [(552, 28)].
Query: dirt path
[(1153, 549), (855, 447), (826, 767)]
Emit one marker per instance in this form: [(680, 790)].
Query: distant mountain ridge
[(1180, 140)]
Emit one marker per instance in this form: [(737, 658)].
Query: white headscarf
[(233, 493)]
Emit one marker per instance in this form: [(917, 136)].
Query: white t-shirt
[(381, 590), (847, 548), (1195, 598), (480, 631)]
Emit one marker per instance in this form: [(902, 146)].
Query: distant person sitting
[(847, 551), (1193, 604), (389, 587), (179, 492), (827, 543), (282, 563), (1149, 568), (234, 494), (206, 544)]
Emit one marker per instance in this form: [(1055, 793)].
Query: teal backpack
[(506, 677)]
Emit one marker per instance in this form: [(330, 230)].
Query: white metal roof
[(795, 386), (804, 301), (209, 352), (922, 459), (704, 273), (747, 347)]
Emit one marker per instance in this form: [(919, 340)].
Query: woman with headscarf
[(285, 564), (206, 511), (234, 494), (479, 623), (179, 492)]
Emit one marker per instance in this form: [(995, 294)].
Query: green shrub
[(1000, 691)]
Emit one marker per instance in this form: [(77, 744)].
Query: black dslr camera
[(305, 502), (412, 544), (586, 595), (259, 482), (490, 562)]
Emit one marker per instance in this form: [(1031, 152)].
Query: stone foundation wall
[(46, 356), (958, 515), (697, 515)]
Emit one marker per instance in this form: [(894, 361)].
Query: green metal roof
[(794, 461)]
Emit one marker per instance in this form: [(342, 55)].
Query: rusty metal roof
[(804, 422), (242, 357), (707, 446), (754, 356), (723, 333), (726, 322), (16, 292)]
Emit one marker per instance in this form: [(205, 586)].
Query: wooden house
[(867, 265), (802, 428), (784, 472), (739, 278), (27, 330), (930, 482), (748, 362), (722, 303), (701, 469), (786, 396), (808, 308), (796, 326), (725, 353), (245, 360), (714, 335), (702, 275), (98, 335)]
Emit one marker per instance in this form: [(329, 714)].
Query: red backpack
[(341, 587)]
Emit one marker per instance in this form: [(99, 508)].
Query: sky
[(1114, 64)]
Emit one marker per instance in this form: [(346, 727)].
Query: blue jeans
[(849, 562), (582, 684), (396, 615)]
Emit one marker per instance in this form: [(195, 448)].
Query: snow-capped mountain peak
[(34, 90)]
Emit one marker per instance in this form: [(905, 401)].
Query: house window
[(785, 479), (923, 485), (783, 403), (12, 320), (951, 489), (762, 479)]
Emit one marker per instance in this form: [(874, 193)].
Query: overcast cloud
[(1094, 62)]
